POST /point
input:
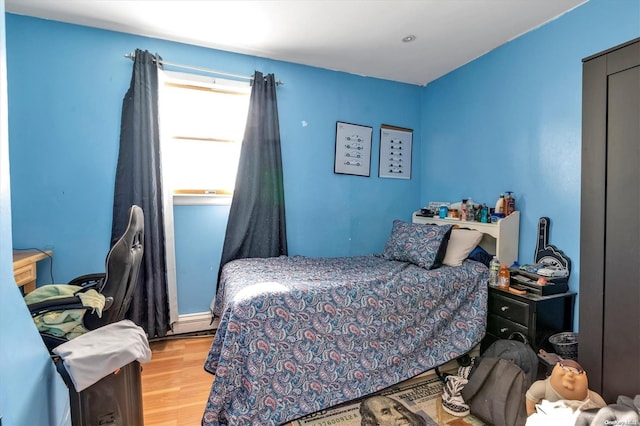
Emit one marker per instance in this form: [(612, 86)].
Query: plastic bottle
[(509, 203), (500, 204), (484, 214), (471, 212), (444, 211), (494, 268), (504, 277)]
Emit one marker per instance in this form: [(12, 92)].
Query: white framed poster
[(353, 149), (396, 145)]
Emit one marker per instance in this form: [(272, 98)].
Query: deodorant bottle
[(500, 205), (510, 204)]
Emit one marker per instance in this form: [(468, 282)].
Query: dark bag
[(517, 351), (496, 391)]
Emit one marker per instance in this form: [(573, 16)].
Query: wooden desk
[(24, 267)]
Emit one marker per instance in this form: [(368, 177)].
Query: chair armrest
[(56, 304), (88, 281), (63, 304)]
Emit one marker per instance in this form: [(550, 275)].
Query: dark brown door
[(610, 223)]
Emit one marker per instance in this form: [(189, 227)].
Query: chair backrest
[(122, 271)]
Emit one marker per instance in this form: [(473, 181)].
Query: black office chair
[(117, 283)]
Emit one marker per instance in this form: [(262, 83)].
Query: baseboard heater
[(192, 323)]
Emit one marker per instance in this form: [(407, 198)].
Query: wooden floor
[(175, 386)]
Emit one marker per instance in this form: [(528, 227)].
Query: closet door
[(610, 223), (622, 234)]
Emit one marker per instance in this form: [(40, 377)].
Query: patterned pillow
[(423, 245)]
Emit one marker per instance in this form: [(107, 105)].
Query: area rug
[(421, 398)]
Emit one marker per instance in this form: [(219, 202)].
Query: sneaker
[(452, 401), (466, 370)]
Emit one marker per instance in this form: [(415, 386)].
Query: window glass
[(203, 123)]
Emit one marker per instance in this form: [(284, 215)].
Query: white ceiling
[(356, 36)]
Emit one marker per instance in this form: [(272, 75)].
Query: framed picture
[(396, 144), (353, 149)]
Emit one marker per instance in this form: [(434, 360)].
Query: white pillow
[(461, 243)]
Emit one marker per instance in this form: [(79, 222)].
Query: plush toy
[(568, 381)]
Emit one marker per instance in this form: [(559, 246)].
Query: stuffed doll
[(568, 381)]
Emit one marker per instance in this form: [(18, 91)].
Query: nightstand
[(536, 317)]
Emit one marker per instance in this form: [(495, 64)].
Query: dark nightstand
[(536, 317)]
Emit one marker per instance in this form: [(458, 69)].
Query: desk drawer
[(25, 274), (502, 328), (508, 308)]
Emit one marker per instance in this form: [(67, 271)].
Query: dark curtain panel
[(138, 181), (256, 226)]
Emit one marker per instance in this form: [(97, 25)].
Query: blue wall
[(511, 121), (66, 85), (198, 251), (31, 392)]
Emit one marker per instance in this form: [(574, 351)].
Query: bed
[(299, 334)]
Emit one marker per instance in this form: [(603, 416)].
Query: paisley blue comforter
[(300, 334)]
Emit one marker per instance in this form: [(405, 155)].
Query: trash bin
[(565, 344), (114, 400), (102, 371)]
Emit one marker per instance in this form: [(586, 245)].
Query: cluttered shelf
[(500, 238)]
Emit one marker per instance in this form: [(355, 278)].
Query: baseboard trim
[(191, 323)]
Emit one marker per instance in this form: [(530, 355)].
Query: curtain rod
[(132, 56)]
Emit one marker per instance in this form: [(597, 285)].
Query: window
[(203, 121)]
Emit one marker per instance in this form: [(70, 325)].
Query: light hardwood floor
[(175, 385)]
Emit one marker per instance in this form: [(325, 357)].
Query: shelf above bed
[(500, 239)]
